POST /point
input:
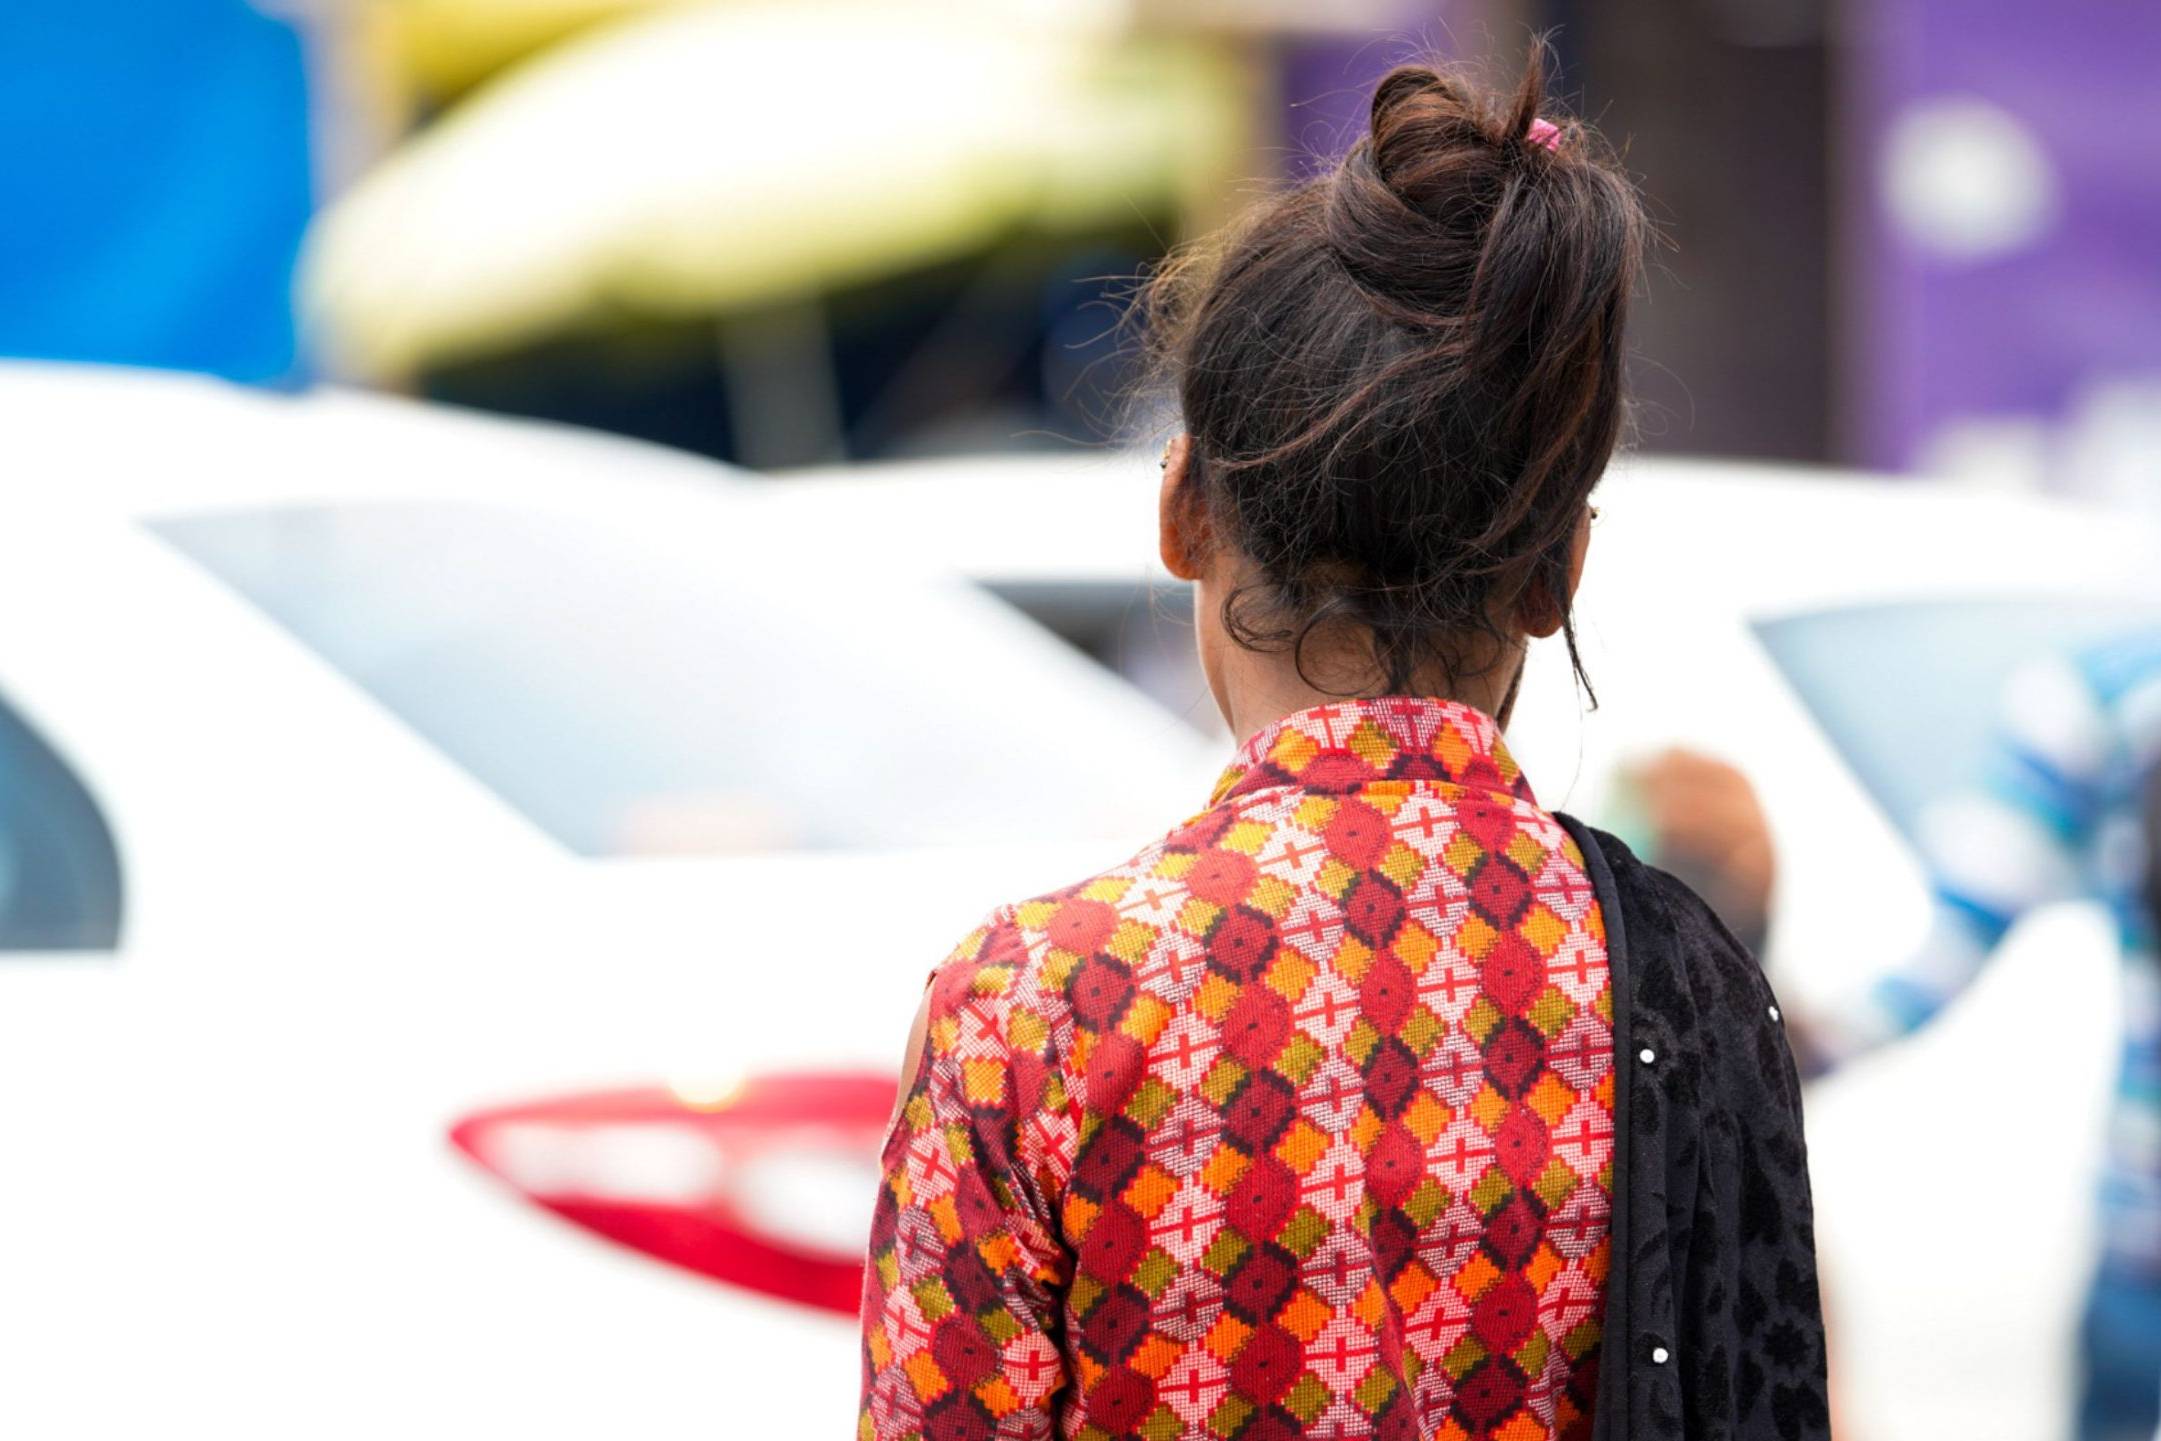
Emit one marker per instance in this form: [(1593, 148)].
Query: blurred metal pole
[(1722, 111), (783, 395)]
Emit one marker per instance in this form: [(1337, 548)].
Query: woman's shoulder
[(1129, 941), (1031, 947)]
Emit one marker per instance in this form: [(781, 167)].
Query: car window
[(59, 870), (635, 689)]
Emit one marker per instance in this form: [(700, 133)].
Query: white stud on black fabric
[(1647, 1055), (1774, 1013), (1659, 1356)]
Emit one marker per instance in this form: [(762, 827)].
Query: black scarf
[(1713, 1327)]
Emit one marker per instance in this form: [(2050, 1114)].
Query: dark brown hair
[(1402, 378)]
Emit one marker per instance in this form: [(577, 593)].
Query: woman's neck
[(1255, 690)]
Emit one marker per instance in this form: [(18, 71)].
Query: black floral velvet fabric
[(1714, 1331)]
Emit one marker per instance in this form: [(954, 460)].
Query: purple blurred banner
[(1326, 80), (2006, 250)]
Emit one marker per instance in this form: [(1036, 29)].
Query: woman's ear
[(1181, 532), (1541, 612)]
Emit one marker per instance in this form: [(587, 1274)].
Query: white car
[(363, 765), (449, 762)]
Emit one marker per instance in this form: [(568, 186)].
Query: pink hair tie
[(1544, 132)]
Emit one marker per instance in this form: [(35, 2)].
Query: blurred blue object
[(156, 182), (1909, 692)]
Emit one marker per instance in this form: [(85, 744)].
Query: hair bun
[(1409, 205)]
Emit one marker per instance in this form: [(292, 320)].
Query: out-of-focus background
[(557, 553)]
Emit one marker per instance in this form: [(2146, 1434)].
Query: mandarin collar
[(1341, 746)]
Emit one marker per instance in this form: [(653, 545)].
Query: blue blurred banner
[(156, 182)]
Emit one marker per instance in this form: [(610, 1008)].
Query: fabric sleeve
[(2014, 841), (966, 1276)]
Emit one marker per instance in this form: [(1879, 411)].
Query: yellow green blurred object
[(430, 51), (725, 157)]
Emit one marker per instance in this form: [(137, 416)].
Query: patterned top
[(1299, 1123), (2055, 816)]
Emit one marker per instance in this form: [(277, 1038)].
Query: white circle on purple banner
[(1965, 178)]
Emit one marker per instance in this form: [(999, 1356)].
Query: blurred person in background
[(1374, 1100), (2067, 808), (1705, 824)]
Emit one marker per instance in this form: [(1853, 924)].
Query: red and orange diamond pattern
[(1297, 1124)]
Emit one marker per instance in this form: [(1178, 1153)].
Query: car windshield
[(639, 690)]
